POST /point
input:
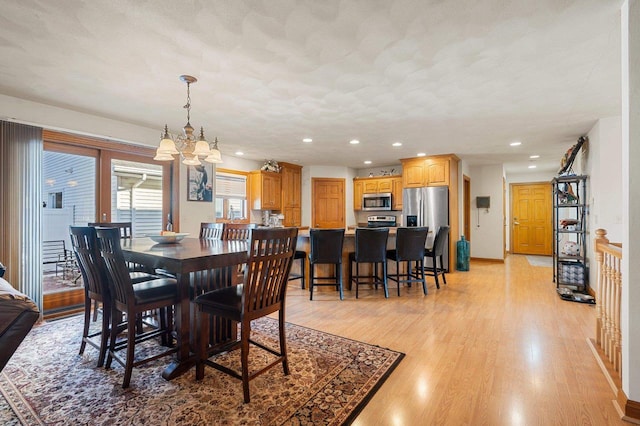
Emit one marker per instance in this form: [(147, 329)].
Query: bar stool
[(371, 247), (435, 253), (326, 248), (409, 248), (301, 256)]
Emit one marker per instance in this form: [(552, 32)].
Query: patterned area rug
[(331, 380)]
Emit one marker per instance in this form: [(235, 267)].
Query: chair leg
[(202, 334), (95, 311), (112, 336), (131, 346), (339, 275), (444, 279), (434, 261), (311, 280), (420, 264), (384, 280), (302, 271), (244, 358), (357, 275), (104, 334), (87, 318), (283, 342), (398, 275)]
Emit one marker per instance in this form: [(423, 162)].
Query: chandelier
[(189, 148)]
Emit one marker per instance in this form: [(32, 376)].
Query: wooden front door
[(327, 203), (531, 218)]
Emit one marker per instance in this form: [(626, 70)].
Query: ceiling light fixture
[(534, 156), (421, 154), (516, 143), (239, 153), (186, 145), (367, 161), (354, 141), (532, 166), (307, 140), (396, 144)]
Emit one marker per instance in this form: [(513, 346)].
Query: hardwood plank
[(495, 346)]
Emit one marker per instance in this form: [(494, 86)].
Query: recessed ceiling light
[(307, 140), (239, 153), (532, 166), (354, 141), (421, 154), (516, 143), (367, 162), (534, 156), (396, 144)]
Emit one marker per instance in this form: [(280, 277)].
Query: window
[(231, 196)]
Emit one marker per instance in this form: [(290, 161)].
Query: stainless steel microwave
[(380, 201)]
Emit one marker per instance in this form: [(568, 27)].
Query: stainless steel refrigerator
[(427, 206)]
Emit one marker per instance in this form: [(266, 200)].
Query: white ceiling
[(465, 77)]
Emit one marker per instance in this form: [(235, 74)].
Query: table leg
[(184, 359)]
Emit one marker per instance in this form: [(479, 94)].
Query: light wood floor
[(495, 346)]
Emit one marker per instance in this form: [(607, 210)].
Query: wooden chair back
[(85, 245), (125, 228), (237, 231), (121, 287), (211, 231), (265, 281)]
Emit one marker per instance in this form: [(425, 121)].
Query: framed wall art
[(200, 182)]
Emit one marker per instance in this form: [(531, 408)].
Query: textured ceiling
[(465, 77)]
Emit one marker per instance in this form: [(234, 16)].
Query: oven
[(381, 201), (381, 221)]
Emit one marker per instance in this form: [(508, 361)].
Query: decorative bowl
[(168, 239)]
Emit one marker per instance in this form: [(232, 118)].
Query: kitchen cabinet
[(266, 190), (291, 175), (377, 185), (413, 173), (570, 267), (358, 190), (396, 193), (437, 171)]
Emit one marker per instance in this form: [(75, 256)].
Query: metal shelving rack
[(570, 265)]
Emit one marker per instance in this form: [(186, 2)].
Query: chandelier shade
[(186, 145)]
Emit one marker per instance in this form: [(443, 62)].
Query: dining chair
[(371, 247), (85, 245), (326, 248), (410, 248), (132, 300), (237, 231), (94, 275), (125, 228), (262, 292), (435, 253), (211, 230), (300, 255)]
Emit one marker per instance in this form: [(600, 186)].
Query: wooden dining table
[(199, 265)]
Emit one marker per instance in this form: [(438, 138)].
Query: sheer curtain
[(21, 207)]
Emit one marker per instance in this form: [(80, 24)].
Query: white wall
[(630, 315), (487, 225), (395, 169), (345, 173)]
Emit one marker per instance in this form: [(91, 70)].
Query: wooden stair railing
[(608, 297)]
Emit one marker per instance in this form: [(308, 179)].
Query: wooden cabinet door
[(272, 187), (371, 186), (385, 185), (437, 171), (413, 173), (291, 185), (358, 190), (292, 216), (396, 193)]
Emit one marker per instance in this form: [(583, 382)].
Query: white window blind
[(231, 186)]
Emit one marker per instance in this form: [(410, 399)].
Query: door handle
[(516, 223)]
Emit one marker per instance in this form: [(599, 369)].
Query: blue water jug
[(462, 259)]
